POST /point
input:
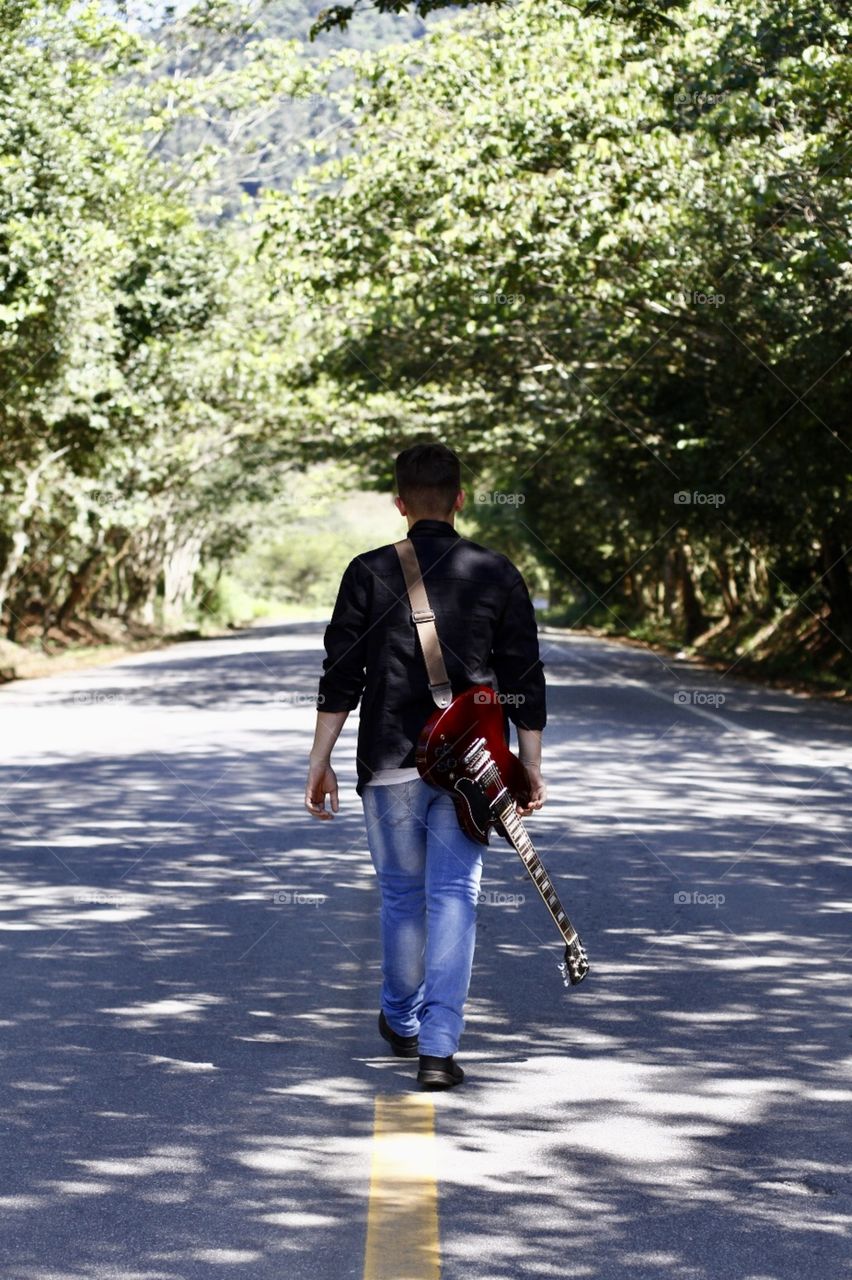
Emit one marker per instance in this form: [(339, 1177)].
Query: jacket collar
[(433, 529)]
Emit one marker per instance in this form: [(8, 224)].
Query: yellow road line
[(402, 1220)]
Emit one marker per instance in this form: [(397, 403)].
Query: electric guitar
[(463, 750)]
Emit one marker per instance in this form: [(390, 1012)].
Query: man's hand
[(322, 782), (537, 789)]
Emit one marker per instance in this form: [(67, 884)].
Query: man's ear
[(400, 505), (459, 502)]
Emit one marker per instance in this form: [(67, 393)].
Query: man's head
[(428, 482)]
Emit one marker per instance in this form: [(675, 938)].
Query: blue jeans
[(429, 873)]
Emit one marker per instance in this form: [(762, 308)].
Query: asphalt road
[(190, 971)]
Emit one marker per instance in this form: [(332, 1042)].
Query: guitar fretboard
[(504, 809)]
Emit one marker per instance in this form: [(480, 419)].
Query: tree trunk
[(180, 565), (94, 583), (20, 537), (757, 584), (728, 586), (669, 583), (834, 559), (79, 584), (694, 621), (142, 572)]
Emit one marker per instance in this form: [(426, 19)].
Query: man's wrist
[(319, 757)]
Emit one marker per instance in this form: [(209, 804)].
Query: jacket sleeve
[(342, 681), (515, 659)]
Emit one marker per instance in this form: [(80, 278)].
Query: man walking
[(428, 869)]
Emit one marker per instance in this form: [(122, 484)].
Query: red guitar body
[(463, 750), (445, 738)]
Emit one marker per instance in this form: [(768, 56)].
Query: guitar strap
[(424, 619)]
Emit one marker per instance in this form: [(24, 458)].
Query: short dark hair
[(428, 477)]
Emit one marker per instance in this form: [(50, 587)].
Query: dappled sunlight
[(203, 961)]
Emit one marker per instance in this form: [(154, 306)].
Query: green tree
[(612, 270)]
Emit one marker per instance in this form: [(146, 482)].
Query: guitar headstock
[(575, 966)]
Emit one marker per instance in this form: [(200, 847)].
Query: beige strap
[(424, 618)]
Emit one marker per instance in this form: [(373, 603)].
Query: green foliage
[(602, 249), (226, 602), (248, 92), (136, 384), (609, 270), (647, 17), (309, 533)]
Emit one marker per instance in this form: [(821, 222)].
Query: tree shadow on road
[(192, 969)]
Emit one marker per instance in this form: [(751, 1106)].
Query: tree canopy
[(615, 271), (602, 250)]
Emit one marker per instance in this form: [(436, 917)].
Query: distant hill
[(292, 20), (270, 152)]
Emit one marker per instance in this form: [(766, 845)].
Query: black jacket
[(486, 626)]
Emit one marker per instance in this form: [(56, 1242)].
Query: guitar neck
[(504, 809)]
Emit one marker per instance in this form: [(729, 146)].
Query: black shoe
[(403, 1046), (438, 1073)]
